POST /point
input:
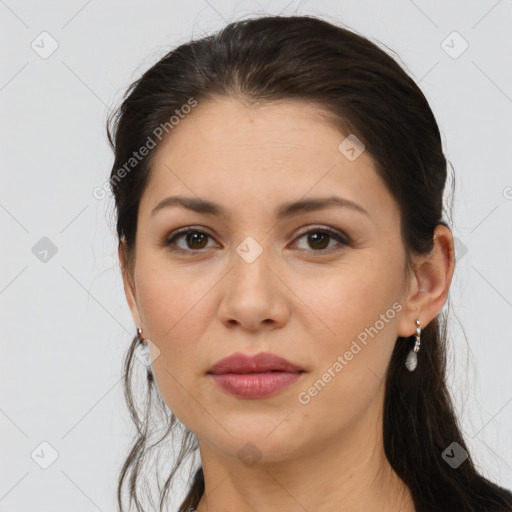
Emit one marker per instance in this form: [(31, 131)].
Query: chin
[(267, 440)]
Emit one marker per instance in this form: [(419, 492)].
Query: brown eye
[(195, 240), (319, 239)]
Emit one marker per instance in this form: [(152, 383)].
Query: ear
[(128, 283), (429, 284)]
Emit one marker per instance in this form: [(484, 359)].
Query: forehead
[(232, 126), (269, 154)]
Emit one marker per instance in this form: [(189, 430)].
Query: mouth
[(253, 372), (255, 384), (262, 362), (254, 376)]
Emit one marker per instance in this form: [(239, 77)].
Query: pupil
[(314, 238), (192, 238)]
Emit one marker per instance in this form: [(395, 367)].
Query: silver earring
[(412, 359)]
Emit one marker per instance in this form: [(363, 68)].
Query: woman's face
[(251, 281)]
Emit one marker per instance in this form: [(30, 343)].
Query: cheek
[(355, 324), (173, 304), (175, 312), (341, 305)]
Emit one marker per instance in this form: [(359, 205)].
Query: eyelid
[(320, 228), (168, 240), (340, 236)]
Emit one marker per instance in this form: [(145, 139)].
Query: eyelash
[(170, 241)]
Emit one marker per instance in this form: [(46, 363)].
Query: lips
[(254, 376), (263, 362)]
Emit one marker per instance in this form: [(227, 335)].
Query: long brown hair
[(363, 91)]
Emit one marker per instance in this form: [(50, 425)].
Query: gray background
[(65, 322)]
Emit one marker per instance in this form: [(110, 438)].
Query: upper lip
[(246, 363)]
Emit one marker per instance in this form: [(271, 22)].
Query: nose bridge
[(251, 259), (251, 294)]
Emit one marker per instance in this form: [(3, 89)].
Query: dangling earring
[(412, 359), (144, 353)]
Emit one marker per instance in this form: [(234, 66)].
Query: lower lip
[(255, 385)]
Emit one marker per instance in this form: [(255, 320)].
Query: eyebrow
[(285, 210)]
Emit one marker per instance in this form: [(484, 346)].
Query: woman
[(278, 190)]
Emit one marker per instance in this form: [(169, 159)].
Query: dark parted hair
[(361, 90)]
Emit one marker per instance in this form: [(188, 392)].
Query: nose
[(253, 295)]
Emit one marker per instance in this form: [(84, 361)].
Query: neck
[(351, 473)]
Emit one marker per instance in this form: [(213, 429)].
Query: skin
[(305, 301)]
